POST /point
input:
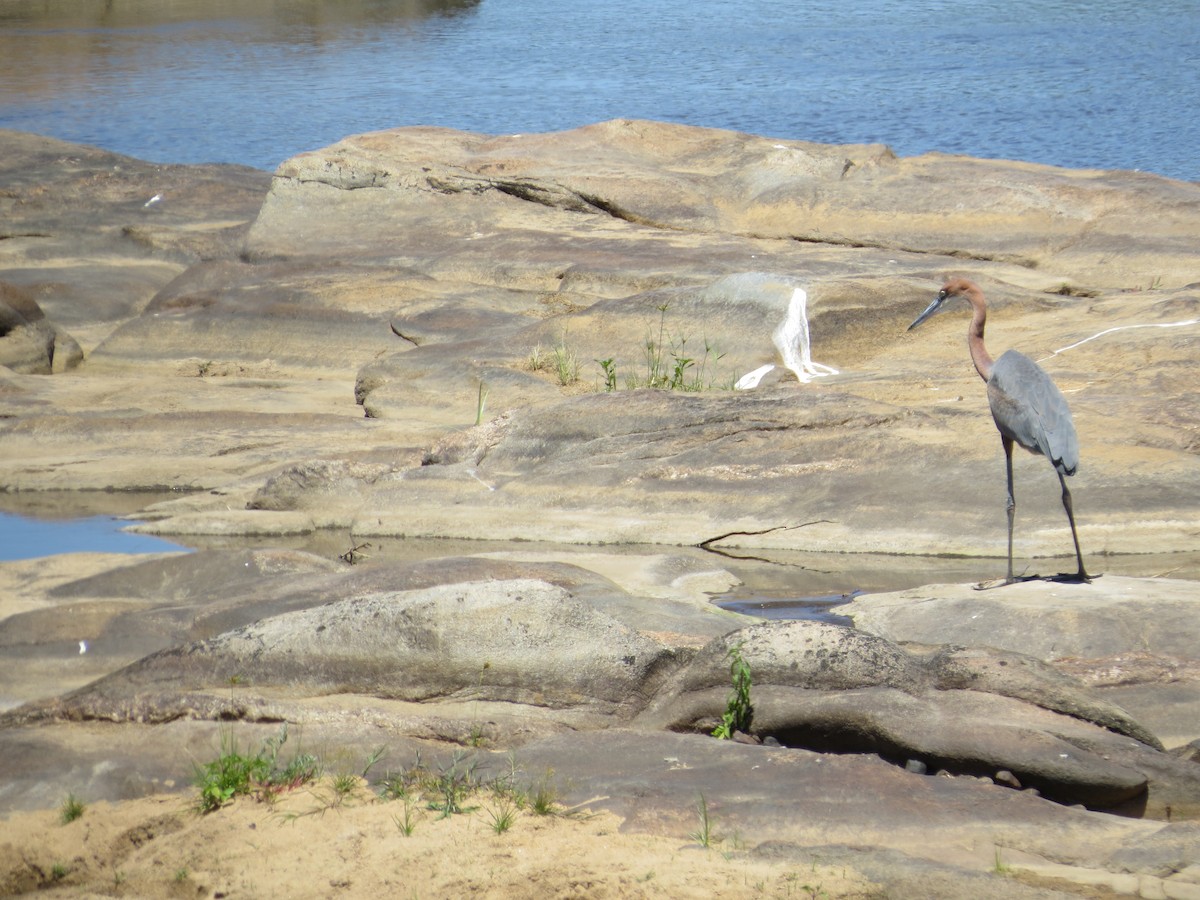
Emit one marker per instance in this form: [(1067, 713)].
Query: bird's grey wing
[(1029, 408)]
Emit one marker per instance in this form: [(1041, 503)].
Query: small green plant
[(609, 367), (654, 350), (667, 363), (503, 813), (457, 787), (181, 875), (481, 402), (72, 808), (477, 737), (704, 834), (233, 773), (739, 711), (678, 380), (454, 786), (59, 871), (1000, 867), (372, 759), (543, 796), (735, 844), (537, 362), (403, 785), (228, 775), (407, 823), (566, 364), (344, 785)]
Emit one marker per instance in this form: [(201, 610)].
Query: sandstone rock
[(547, 214), (1027, 678), (1131, 639), (829, 689), (28, 342), (816, 800), (82, 234), (1190, 752), (1044, 619), (519, 641), (531, 644), (1171, 850), (311, 317), (178, 600), (420, 271), (680, 178)]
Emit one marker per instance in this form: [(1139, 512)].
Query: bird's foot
[(993, 583), (1080, 577)]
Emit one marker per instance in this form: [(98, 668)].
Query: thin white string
[(1121, 328)]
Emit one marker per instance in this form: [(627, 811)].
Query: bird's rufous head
[(954, 287)]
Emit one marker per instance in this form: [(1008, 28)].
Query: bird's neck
[(979, 355)]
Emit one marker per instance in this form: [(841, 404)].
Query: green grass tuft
[(704, 834), (71, 809), (234, 773)]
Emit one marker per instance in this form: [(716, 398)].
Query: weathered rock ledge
[(233, 340), (411, 334), (915, 748)]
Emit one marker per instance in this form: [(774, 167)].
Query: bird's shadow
[(1060, 578)]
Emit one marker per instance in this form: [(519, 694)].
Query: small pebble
[(916, 766), (1008, 779)]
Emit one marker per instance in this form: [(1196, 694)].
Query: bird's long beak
[(929, 311)]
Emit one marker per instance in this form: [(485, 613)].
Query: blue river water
[(24, 537), (1110, 83)]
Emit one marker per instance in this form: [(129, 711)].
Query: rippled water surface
[(1111, 83)]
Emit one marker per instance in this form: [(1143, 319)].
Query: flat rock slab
[(771, 783), (690, 179), (1046, 619), (1132, 639), (398, 287)]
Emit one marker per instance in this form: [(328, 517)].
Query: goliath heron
[(1026, 405)]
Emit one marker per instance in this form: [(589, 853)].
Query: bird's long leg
[(1066, 499), (1012, 503)]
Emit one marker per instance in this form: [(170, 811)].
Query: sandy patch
[(306, 845)]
